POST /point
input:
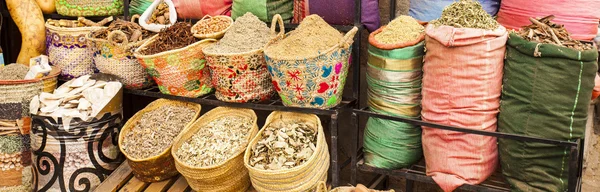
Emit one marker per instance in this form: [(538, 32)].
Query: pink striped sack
[(461, 87)]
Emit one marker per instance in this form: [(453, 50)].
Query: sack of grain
[(300, 157), (147, 137), (210, 153)]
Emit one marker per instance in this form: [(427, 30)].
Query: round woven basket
[(215, 35)]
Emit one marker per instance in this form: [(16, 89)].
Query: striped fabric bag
[(264, 9)]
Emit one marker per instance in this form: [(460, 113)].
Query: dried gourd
[(47, 6), (30, 21)]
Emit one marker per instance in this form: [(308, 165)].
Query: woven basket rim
[(53, 73), (201, 122), (137, 53), (342, 45), (152, 106), (214, 34), (72, 29)]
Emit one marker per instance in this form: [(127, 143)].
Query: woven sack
[(242, 77), (230, 175), (117, 59), (180, 72), (15, 125), (304, 177), (315, 81), (162, 166), (68, 50), (86, 8)]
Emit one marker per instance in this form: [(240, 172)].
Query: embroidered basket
[(68, 49), (117, 59), (314, 82), (242, 77), (85, 8), (180, 72)]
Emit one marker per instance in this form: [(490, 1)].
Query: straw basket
[(162, 166), (301, 178), (85, 8), (242, 77), (230, 175), (316, 81), (117, 59), (68, 49), (180, 72), (215, 35)]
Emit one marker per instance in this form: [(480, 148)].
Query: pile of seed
[(312, 37), (177, 36), (545, 31), (155, 131), (466, 14), (216, 142), (211, 25), (284, 145), (246, 34), (13, 72), (10, 144), (402, 29)]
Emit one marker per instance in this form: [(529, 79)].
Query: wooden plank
[(117, 179), (161, 186), (134, 185), (179, 185)]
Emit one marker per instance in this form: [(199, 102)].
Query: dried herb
[(216, 142), (13, 72), (80, 22), (545, 31), (10, 144), (402, 29), (160, 15), (466, 14), (284, 145), (177, 36), (247, 33), (132, 30)]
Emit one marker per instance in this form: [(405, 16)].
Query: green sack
[(548, 97), (394, 88), (263, 9)]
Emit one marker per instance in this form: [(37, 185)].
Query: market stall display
[(465, 37), (147, 137), (74, 132), (210, 154), (85, 8), (309, 65), (113, 52), (30, 21), (159, 15), (212, 27), (288, 154), (553, 105)]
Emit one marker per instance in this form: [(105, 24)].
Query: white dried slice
[(80, 81), (48, 96), (50, 106), (74, 101), (99, 84), (62, 90), (78, 90), (84, 104), (72, 97), (69, 106), (93, 95), (34, 105), (111, 89)]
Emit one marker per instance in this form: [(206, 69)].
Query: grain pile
[(246, 34), (545, 31), (177, 36), (466, 14), (211, 25), (312, 37), (13, 72), (155, 131), (284, 145), (402, 29), (216, 142)]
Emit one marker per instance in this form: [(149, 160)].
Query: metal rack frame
[(417, 173)]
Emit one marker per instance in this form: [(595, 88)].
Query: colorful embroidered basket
[(117, 59), (85, 8), (68, 49), (242, 77), (180, 72), (314, 82)]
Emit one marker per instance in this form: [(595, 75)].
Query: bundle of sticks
[(545, 31)]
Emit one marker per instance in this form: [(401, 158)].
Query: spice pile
[(177, 36), (284, 146), (10, 152), (80, 22), (402, 29), (312, 37), (160, 15), (466, 14), (13, 72), (155, 131), (132, 30), (545, 31), (211, 25), (246, 34), (216, 142)]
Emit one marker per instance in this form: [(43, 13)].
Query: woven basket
[(301, 178), (85, 8), (180, 72), (316, 81), (215, 35), (68, 49), (117, 59), (162, 166), (242, 77), (230, 175)]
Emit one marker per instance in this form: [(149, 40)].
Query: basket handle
[(205, 16), (114, 33), (277, 20), (134, 17), (348, 38)]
